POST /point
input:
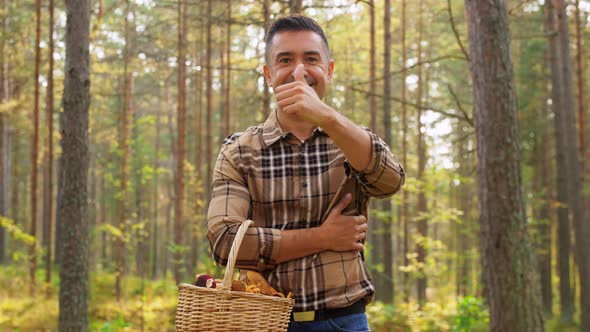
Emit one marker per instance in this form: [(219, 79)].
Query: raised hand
[(299, 99)]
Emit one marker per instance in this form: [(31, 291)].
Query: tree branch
[(459, 106), (416, 106), (452, 20)]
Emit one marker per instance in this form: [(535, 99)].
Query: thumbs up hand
[(298, 98), (298, 74)]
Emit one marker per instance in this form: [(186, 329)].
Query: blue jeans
[(350, 323)]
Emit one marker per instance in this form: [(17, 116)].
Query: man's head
[(293, 22), (293, 40)]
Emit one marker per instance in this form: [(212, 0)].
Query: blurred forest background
[(170, 79)]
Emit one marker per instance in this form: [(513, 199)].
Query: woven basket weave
[(209, 309)]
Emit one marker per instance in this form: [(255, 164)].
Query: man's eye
[(284, 60), (312, 60)]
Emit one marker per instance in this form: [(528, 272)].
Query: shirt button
[(304, 184)]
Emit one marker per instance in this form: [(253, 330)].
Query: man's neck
[(301, 129)]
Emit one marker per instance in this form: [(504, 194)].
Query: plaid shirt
[(279, 182)]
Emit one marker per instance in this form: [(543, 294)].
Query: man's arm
[(263, 248), (372, 161)]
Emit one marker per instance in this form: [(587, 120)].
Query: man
[(304, 177)]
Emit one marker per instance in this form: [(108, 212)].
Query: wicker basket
[(209, 309)]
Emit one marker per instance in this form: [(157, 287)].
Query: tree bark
[(508, 264), (376, 224), (266, 91), (228, 72), (48, 176), (574, 176), (198, 190), (566, 302), (35, 149), (387, 286), (4, 140), (295, 6), (404, 206), (156, 206), (544, 247), (125, 133), (422, 223), (181, 124), (209, 82), (581, 83), (72, 207)]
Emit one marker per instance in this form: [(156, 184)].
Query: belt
[(325, 314)]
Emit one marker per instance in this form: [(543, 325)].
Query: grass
[(147, 305), (150, 306)]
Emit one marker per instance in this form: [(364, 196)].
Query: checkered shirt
[(269, 176)]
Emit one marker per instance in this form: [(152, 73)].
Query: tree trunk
[(221, 111), (581, 83), (544, 247), (266, 91), (4, 143), (372, 70), (576, 198), (156, 206), (4, 178), (404, 206), (102, 220), (208, 135), (48, 176), (35, 149), (566, 302), (422, 223), (228, 72), (295, 6), (198, 190), (138, 190), (375, 223), (15, 199), (387, 279), (508, 264), (170, 186), (181, 123), (72, 207), (125, 133)]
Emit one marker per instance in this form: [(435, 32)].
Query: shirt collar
[(272, 130)]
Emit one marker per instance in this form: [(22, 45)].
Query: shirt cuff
[(269, 242)]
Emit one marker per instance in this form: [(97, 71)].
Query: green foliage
[(146, 303), (111, 326), (472, 315), (15, 231), (467, 315)]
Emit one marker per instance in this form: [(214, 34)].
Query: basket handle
[(233, 254)]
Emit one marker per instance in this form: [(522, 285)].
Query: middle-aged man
[(304, 177)]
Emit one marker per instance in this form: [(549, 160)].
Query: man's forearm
[(297, 243), (352, 139)]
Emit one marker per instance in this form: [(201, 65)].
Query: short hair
[(293, 22)]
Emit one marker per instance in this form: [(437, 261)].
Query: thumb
[(298, 73), (346, 199)]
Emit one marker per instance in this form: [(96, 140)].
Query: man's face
[(289, 49)]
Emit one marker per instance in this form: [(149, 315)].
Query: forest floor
[(150, 306)]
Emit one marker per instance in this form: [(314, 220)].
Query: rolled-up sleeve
[(229, 207), (385, 175)]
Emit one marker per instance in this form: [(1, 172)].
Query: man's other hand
[(343, 233)]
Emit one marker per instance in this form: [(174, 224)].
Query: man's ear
[(267, 75), (330, 70)]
